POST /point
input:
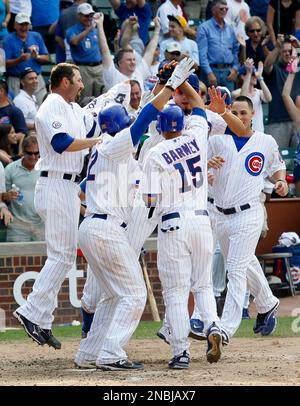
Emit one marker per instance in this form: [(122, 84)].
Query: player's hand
[(217, 101), (210, 178), (215, 162), (281, 187), (181, 72)]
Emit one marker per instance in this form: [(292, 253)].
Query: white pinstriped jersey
[(111, 176), (57, 116), (177, 170), (241, 178), (216, 125)]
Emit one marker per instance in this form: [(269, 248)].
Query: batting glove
[(181, 73)]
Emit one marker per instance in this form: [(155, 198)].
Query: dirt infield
[(257, 361)]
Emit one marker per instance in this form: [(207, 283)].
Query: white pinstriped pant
[(117, 270), (184, 264), (138, 230), (238, 237), (57, 202)]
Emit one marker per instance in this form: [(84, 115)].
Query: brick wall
[(12, 267)]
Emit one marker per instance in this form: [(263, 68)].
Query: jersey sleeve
[(118, 147), (196, 125), (216, 123), (56, 120), (275, 161)]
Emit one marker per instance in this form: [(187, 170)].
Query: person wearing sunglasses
[(256, 46), (27, 225)]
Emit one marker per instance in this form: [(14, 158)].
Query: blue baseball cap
[(243, 71), (193, 80)]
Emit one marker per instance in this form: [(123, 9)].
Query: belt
[(88, 63), (221, 65), (210, 200), (232, 210), (104, 217), (67, 176), (174, 215)]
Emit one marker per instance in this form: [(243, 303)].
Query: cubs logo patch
[(254, 163), (56, 124)]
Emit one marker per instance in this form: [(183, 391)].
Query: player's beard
[(77, 97), (187, 111)]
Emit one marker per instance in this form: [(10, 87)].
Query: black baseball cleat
[(181, 361), (122, 365), (50, 339), (33, 330), (214, 343)]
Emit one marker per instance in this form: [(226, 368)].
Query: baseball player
[(63, 134), (175, 183), (237, 187), (102, 236)]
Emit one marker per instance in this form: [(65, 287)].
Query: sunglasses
[(255, 30), (223, 8), (203, 93), (175, 53), (36, 153)]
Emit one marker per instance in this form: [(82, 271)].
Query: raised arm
[(273, 56), (105, 52), (292, 109), (151, 47), (270, 21), (266, 92)]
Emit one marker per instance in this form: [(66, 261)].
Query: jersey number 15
[(195, 170)]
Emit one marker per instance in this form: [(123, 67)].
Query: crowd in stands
[(250, 47)]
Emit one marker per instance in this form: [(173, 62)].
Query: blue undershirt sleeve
[(61, 141), (138, 128)]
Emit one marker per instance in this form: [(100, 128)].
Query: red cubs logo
[(254, 163)]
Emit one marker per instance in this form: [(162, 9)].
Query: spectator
[(25, 48), (16, 7), (254, 47), (9, 139), (129, 35), (218, 48), (27, 224), (172, 52), (259, 8), (284, 21), (280, 125), (135, 98), (4, 18), (138, 8), (250, 76), (177, 25), (169, 7), (84, 44), (67, 18), (9, 113), (26, 100), (125, 59), (43, 18), (237, 15), (293, 109)]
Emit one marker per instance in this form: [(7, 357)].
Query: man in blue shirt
[(85, 51), (218, 48), (137, 8), (23, 49)]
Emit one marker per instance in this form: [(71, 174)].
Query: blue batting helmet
[(113, 119), (170, 119)]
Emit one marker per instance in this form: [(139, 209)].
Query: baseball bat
[(151, 298)]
